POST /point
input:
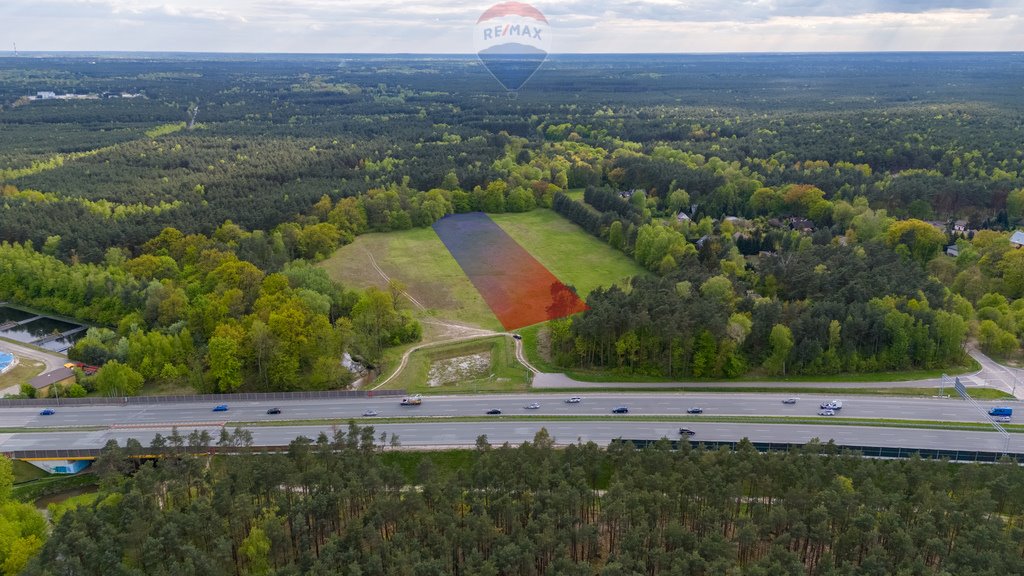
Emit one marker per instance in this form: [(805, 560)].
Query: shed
[(43, 382)]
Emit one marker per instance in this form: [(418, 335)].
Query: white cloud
[(446, 25)]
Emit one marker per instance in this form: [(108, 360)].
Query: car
[(47, 412), (686, 432), (620, 410), (694, 410), (533, 406), (274, 411), (220, 408), (494, 411), (574, 400), (789, 401), (826, 412), (370, 413), (1002, 418), (517, 336)]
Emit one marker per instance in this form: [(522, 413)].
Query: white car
[(370, 413), (827, 413), (1002, 418), (574, 400), (533, 406)]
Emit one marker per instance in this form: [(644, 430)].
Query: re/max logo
[(512, 30)]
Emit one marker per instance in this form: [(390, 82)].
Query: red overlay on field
[(519, 289)]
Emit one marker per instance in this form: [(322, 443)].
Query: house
[(1017, 239), (953, 250), (801, 224), (45, 95), (960, 226), (682, 217), (43, 382)]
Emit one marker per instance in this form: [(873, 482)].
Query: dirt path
[(373, 262), (449, 332)]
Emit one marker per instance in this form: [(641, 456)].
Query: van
[(833, 405)]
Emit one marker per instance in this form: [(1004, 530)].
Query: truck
[(412, 400), (1001, 411), (86, 368)]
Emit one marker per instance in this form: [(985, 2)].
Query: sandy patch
[(459, 368)]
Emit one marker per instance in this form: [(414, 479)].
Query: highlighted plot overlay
[(518, 288)]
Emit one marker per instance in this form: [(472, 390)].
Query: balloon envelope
[(512, 41)]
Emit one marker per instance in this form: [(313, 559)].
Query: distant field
[(420, 260), (575, 257)]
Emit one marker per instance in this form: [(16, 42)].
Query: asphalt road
[(425, 434), (596, 404)]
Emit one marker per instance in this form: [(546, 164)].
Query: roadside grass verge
[(36, 489), (531, 342), (25, 472), (665, 419)]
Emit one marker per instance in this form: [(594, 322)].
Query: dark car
[(517, 336), (494, 411), (620, 410), (694, 410), (686, 432), (47, 412), (274, 411), (220, 408), (789, 401)]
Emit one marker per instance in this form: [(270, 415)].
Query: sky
[(446, 26)]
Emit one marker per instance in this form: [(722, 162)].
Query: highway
[(596, 404), (424, 434)]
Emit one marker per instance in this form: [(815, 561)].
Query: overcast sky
[(446, 26)]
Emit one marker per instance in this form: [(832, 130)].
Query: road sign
[(960, 388)]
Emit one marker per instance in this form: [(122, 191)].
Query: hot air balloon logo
[(512, 40)]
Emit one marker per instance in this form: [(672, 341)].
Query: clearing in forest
[(420, 261), (518, 288)]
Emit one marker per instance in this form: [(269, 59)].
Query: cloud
[(442, 26)]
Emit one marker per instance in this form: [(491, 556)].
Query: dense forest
[(335, 505), (766, 195)]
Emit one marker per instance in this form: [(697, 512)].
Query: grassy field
[(503, 375), (25, 472), (22, 373), (575, 257), (419, 260)]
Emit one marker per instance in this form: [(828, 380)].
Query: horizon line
[(22, 53)]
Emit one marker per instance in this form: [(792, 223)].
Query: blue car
[(221, 408), (48, 412)]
